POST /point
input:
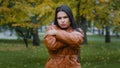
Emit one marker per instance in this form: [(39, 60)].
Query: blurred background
[(23, 24)]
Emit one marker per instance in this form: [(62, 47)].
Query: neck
[(64, 28)]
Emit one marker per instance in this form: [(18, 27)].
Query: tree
[(98, 11), (32, 18), (115, 16)]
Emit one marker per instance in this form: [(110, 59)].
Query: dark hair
[(68, 11)]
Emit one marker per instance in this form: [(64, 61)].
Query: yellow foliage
[(4, 9), (32, 0), (104, 1), (25, 25), (5, 2), (98, 25), (44, 9), (0, 0)]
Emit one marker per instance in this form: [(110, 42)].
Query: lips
[(63, 24)]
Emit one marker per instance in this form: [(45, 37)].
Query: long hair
[(68, 11)]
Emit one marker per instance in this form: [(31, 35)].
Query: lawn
[(97, 54)]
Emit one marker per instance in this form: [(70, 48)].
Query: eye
[(65, 16), (58, 17)]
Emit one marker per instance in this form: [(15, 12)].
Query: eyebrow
[(63, 17)]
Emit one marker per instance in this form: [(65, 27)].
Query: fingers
[(78, 33), (52, 31), (52, 28)]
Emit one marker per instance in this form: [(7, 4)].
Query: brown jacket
[(63, 48)]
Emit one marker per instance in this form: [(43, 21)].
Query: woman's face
[(63, 19)]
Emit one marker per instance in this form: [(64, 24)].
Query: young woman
[(63, 40)]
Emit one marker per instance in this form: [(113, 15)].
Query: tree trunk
[(78, 21), (99, 32), (24, 36), (102, 30), (107, 36), (83, 25), (36, 40), (26, 41), (78, 13), (117, 35)]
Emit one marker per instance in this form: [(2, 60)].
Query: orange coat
[(63, 48)]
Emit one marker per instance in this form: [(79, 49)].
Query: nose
[(62, 20)]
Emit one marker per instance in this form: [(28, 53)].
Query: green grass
[(14, 54), (97, 54)]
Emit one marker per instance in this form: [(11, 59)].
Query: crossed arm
[(55, 39)]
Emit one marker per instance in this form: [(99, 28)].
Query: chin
[(63, 27)]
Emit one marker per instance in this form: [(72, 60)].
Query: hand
[(51, 32), (78, 33)]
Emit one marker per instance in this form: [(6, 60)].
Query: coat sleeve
[(51, 42), (69, 38)]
